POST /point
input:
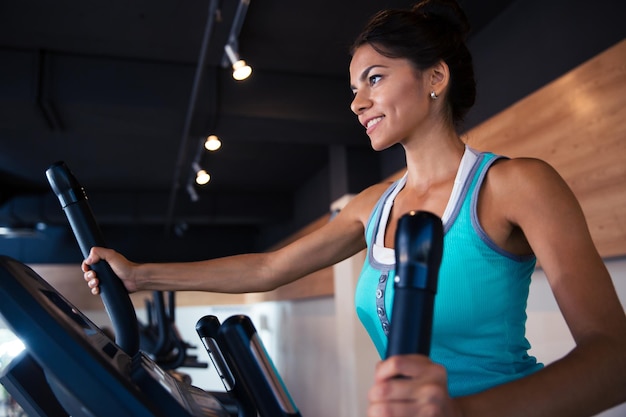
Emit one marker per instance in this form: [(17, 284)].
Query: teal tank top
[(480, 308)]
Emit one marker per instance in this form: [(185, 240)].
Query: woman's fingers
[(92, 282), (95, 256), (410, 385)]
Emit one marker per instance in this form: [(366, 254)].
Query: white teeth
[(373, 122)]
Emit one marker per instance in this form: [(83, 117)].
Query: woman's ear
[(439, 77)]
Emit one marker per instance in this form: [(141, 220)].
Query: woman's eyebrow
[(366, 72)]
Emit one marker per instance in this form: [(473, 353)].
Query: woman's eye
[(373, 79)]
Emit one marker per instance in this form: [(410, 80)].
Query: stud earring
[(434, 95)]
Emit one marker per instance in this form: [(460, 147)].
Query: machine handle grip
[(252, 362), (419, 249), (115, 297)]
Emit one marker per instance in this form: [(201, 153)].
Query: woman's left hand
[(410, 386)]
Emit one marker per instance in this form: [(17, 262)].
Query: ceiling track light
[(212, 143), (241, 70), (202, 177)]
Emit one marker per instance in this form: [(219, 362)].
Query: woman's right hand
[(121, 266)]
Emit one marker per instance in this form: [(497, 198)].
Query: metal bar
[(182, 151), (235, 29)]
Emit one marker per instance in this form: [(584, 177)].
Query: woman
[(412, 79)]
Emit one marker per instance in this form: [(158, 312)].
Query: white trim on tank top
[(386, 256)]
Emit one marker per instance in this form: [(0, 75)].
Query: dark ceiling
[(125, 91)]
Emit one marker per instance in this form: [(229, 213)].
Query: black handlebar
[(115, 297), (419, 248)]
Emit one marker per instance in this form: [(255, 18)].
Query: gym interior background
[(110, 92)]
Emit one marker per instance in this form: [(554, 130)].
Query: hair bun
[(448, 11)]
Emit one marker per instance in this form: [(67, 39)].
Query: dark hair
[(431, 31)]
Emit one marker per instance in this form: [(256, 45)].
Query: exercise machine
[(159, 337), (419, 248), (88, 374)]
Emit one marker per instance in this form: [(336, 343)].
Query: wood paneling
[(577, 124)]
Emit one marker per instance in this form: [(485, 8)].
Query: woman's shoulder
[(524, 181), (523, 169)]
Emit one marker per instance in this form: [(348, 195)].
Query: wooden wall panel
[(577, 124)]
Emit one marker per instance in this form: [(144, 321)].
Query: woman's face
[(391, 98)]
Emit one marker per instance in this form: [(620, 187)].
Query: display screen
[(66, 314), (79, 359)]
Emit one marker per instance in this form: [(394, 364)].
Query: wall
[(533, 42), (546, 328)]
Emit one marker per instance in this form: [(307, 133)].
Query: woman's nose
[(359, 103)]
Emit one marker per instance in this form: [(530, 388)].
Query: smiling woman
[(412, 82), (548, 124)]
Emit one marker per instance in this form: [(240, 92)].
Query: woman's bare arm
[(592, 376), (340, 238)]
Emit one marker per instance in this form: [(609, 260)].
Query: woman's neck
[(433, 158)]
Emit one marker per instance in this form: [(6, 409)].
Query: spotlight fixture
[(241, 70), (202, 177), (212, 143)]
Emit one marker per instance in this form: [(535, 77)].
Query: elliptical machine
[(88, 374)]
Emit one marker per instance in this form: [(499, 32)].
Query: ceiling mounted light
[(202, 177), (212, 143), (241, 70)]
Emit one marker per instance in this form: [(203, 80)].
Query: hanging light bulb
[(202, 177), (241, 70), (212, 143)]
